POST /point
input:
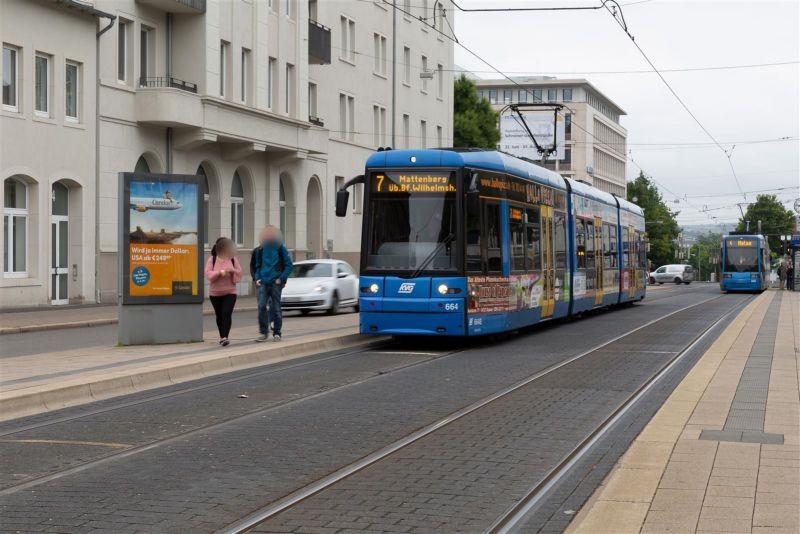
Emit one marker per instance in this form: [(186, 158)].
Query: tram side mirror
[(473, 202), (342, 200)]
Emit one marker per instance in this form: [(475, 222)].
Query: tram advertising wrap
[(163, 222)]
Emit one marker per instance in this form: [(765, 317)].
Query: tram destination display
[(411, 182), (161, 235)]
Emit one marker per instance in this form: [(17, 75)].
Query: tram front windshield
[(412, 223), (741, 258)]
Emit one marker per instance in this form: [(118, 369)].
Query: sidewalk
[(35, 383), (723, 453), (54, 318)]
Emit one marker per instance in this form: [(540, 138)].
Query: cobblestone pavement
[(205, 480)]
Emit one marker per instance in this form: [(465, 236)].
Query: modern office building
[(595, 141), (275, 102)]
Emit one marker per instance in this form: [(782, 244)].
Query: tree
[(474, 120), (662, 228), (708, 249), (775, 220)]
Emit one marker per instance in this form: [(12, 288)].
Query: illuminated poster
[(161, 232)]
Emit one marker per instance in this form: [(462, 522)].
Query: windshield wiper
[(432, 255)]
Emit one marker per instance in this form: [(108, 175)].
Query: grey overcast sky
[(738, 106)]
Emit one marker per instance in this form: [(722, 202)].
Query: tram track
[(307, 492), (241, 375)]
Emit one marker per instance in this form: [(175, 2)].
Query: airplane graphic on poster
[(142, 204)]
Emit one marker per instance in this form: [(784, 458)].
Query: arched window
[(206, 211), (141, 166), (282, 204), (237, 210), (15, 228)]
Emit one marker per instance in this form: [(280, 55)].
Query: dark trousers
[(269, 308), (223, 309)]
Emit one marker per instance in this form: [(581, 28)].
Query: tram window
[(590, 264), (560, 220), (533, 249), (607, 248), (474, 256), (627, 247), (494, 254), (612, 242), (516, 228), (580, 243)]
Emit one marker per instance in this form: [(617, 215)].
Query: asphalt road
[(198, 457)]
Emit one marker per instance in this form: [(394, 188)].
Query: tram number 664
[(451, 306)]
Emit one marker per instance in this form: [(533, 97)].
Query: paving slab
[(733, 463)]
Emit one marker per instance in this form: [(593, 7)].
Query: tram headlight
[(374, 288), (443, 289)]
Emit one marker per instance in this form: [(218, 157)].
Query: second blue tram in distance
[(463, 242), (744, 263)]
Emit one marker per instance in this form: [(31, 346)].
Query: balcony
[(319, 43), (177, 6), (168, 81)]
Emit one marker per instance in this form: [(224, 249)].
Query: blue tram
[(744, 263), (471, 242)]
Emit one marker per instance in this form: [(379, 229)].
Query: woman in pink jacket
[(223, 271)]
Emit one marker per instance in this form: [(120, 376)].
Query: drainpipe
[(169, 75), (111, 18)]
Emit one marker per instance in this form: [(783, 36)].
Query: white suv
[(678, 274)]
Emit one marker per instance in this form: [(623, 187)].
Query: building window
[(237, 210), (507, 96), (568, 126), (551, 95), (347, 116), (537, 95), (42, 85), (406, 65), (567, 94), (439, 137), (145, 53), (224, 48), (281, 206), (312, 99), (245, 92), (15, 228), (122, 50), (566, 163), (493, 96), (10, 77), (71, 91), (424, 71), (289, 108), (347, 48), (271, 82), (379, 54), (312, 9), (379, 125), (288, 4), (440, 87), (522, 96), (423, 134), (406, 130), (358, 195)]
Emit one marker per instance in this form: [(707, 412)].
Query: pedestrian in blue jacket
[(272, 267)]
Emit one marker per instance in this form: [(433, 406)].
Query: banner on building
[(515, 140), (161, 238)]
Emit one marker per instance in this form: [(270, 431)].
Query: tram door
[(548, 263), (599, 288), (633, 280)]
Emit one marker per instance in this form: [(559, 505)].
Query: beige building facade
[(275, 102), (595, 141)]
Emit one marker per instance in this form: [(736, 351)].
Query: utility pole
[(394, 69)]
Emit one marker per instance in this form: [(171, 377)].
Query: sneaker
[(276, 337), (261, 338), (225, 343)]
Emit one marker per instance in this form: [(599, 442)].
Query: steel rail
[(293, 499), (510, 519)]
